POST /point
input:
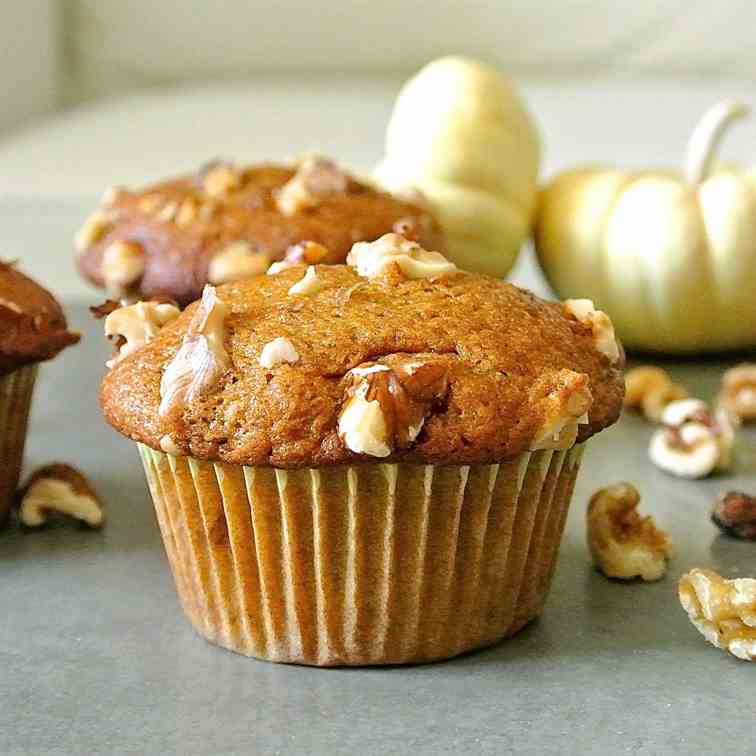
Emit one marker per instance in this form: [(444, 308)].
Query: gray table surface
[(96, 657)]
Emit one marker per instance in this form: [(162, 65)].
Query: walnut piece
[(734, 513), (693, 442), (278, 351), (738, 394), (394, 252), (723, 611), (169, 446), (201, 359), (567, 407), (59, 488), (221, 179), (650, 389), (600, 324), (186, 212), (385, 407), (134, 326), (316, 179), (309, 283), (123, 265), (413, 227), (308, 252), (150, 203), (95, 227), (623, 544), (235, 262), (111, 195)]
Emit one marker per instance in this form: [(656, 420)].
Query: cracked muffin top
[(396, 356), (32, 325), (226, 223)]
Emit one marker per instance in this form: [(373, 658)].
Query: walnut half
[(723, 611), (694, 441), (623, 544), (59, 488), (385, 407)]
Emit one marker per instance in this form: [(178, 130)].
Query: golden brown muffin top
[(368, 362), (32, 325), (228, 222)]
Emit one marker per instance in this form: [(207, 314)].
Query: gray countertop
[(96, 657)]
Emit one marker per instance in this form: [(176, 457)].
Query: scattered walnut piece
[(738, 394), (308, 252), (392, 252), (201, 359), (278, 351), (133, 326), (723, 611), (95, 227), (123, 265), (600, 324), (622, 543), (567, 407), (235, 262), (309, 283), (734, 513), (650, 389), (385, 407), (693, 442), (316, 179), (59, 488)]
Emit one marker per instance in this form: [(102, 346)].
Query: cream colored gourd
[(461, 137), (670, 256)]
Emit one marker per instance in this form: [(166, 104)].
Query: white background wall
[(30, 53), (54, 52)]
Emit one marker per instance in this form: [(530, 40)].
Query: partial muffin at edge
[(33, 327)]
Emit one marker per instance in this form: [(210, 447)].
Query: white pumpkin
[(670, 256), (461, 137)]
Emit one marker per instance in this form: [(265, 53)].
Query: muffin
[(32, 329), (227, 223), (367, 463)]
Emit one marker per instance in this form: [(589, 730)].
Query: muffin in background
[(367, 463), (32, 329), (228, 222)]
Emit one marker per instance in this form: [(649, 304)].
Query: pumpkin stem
[(706, 136)]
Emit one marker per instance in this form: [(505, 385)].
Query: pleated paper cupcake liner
[(367, 564), (16, 391)]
